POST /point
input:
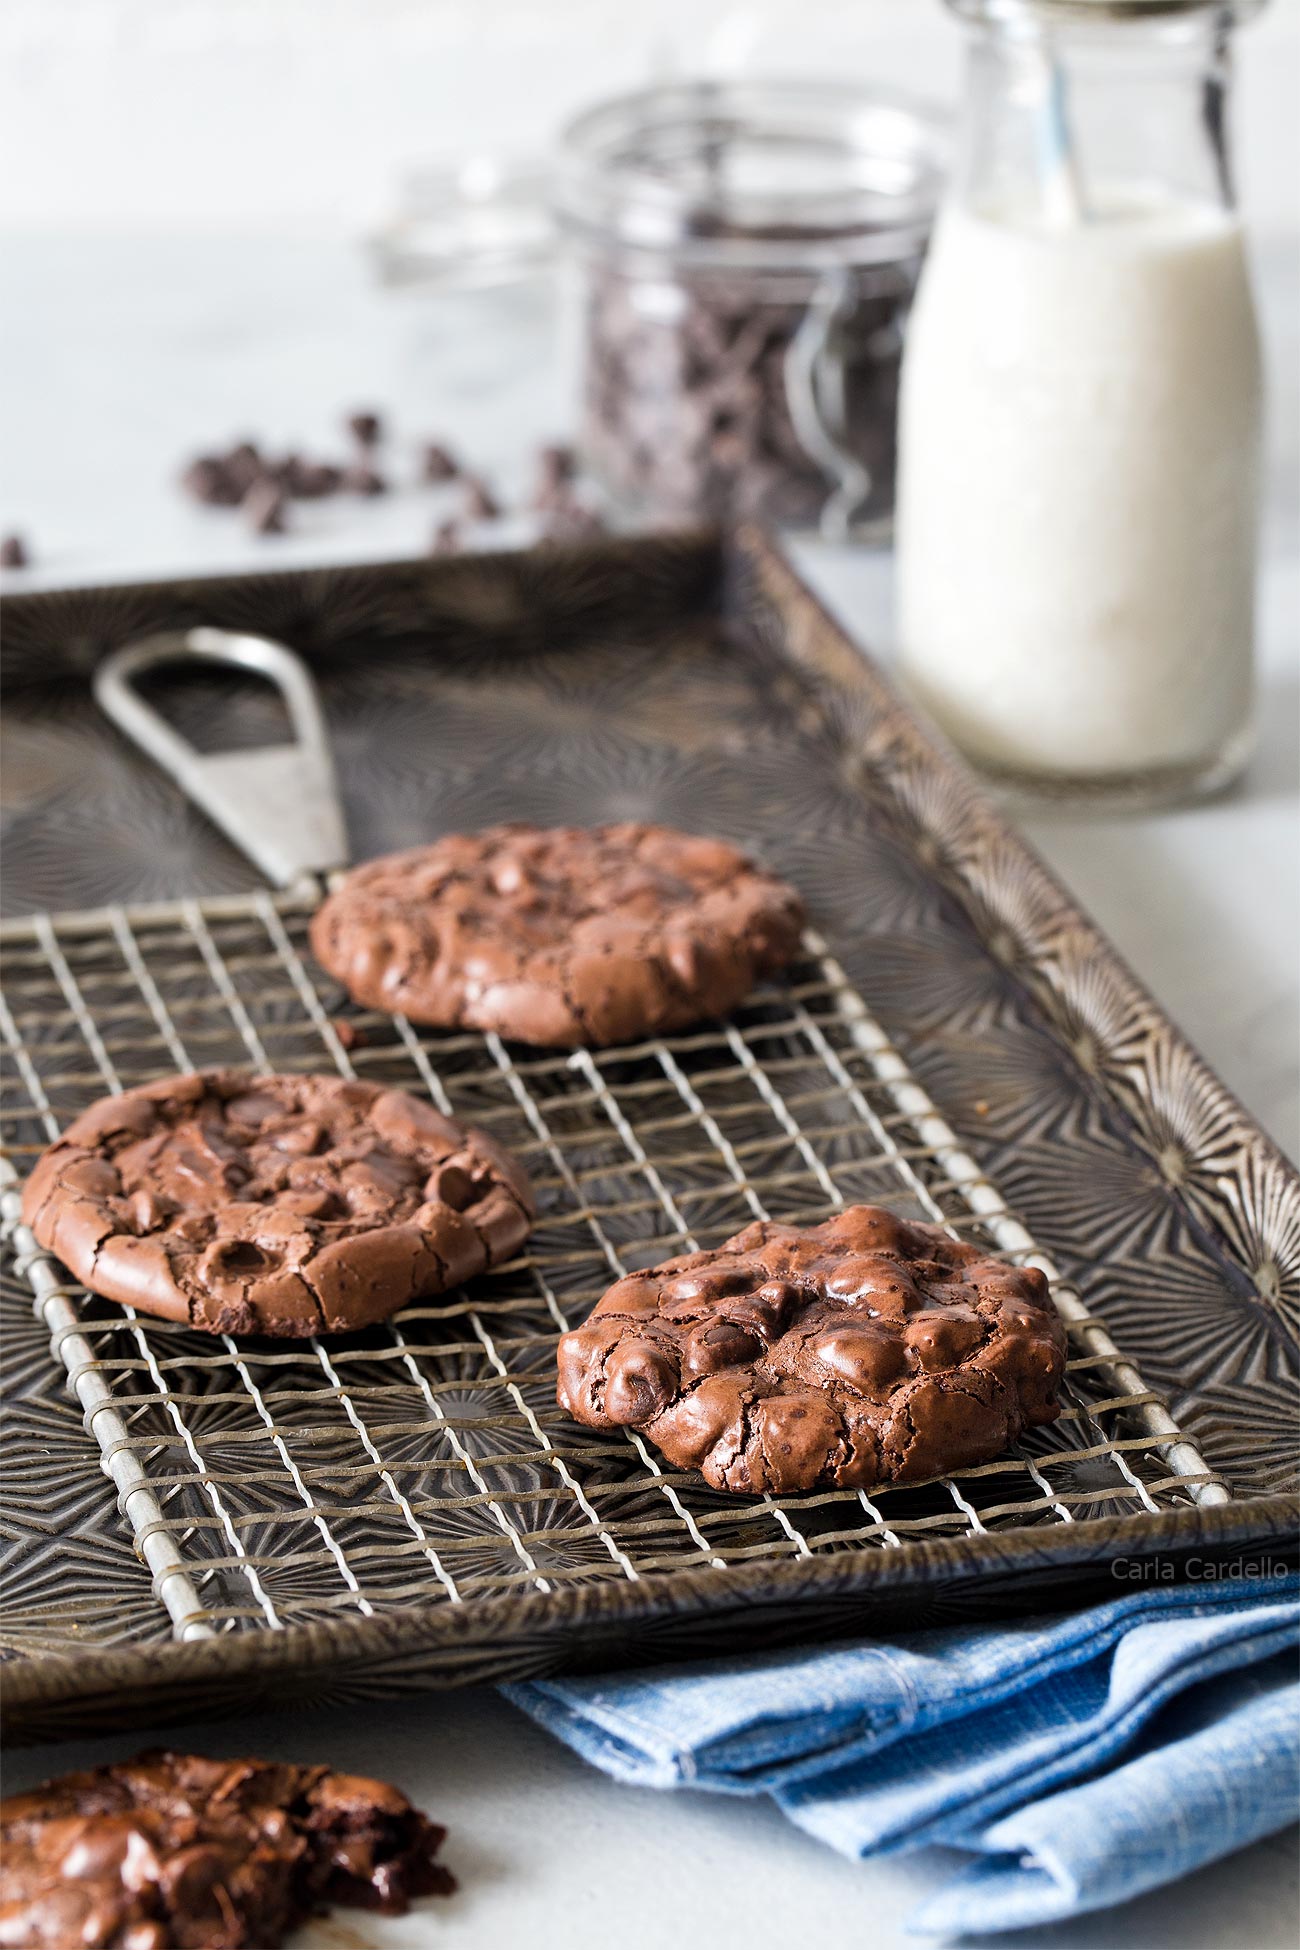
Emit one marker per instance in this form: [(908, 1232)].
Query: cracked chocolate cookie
[(174, 1852), (863, 1351), (559, 936), (277, 1205)]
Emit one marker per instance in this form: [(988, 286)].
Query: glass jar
[(747, 254), (1080, 412)]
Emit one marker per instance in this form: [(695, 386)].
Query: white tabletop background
[(178, 266)]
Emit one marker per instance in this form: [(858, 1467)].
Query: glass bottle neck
[(1070, 118)]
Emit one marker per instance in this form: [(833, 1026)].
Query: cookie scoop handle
[(278, 803)]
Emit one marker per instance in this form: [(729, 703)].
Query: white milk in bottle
[(1076, 519)]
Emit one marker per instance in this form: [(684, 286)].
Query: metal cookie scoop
[(279, 803)]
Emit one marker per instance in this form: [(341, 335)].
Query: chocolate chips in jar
[(685, 407), (746, 256)]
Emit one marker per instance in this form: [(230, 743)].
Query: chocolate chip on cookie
[(278, 1205), (176, 1852), (559, 936), (863, 1351)]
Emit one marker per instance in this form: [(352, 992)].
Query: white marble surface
[(123, 356), (273, 113)]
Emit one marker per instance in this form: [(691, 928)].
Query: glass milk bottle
[(1080, 411)]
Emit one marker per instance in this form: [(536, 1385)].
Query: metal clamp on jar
[(747, 255)]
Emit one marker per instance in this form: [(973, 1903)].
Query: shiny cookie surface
[(559, 936), (280, 1205), (863, 1351)]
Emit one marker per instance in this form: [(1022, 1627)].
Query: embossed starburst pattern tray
[(196, 1523)]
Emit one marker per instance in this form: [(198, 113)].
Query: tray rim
[(980, 799), (63, 1679), (42, 1679)]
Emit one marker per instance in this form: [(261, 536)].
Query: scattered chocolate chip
[(556, 467), (245, 464), (553, 485), (247, 476), (209, 480), (366, 428), (363, 479), (349, 1034), (13, 553), (311, 480), (480, 502), (265, 505), (439, 463)]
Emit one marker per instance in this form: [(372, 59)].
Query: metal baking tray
[(195, 1525)]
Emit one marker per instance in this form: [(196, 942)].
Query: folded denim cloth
[(1221, 1772), (1086, 1757)]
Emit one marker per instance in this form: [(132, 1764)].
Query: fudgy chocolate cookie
[(866, 1350), (174, 1852), (274, 1205), (559, 936)]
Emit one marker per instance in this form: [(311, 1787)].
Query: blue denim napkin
[(1084, 1758)]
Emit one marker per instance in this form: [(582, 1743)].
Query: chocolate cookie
[(559, 936), (274, 1205), (866, 1350), (174, 1852)]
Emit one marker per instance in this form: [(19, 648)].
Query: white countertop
[(552, 1856), (121, 359)]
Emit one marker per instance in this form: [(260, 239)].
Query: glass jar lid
[(1150, 12), (781, 174), (473, 225)]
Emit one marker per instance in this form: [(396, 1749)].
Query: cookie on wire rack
[(277, 1205), (864, 1351), (559, 936)]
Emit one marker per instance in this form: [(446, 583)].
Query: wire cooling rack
[(425, 1461)]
